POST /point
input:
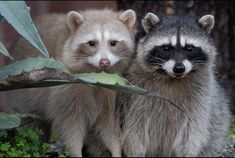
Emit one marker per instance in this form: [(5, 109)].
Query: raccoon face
[(176, 61), (102, 40), (176, 46)]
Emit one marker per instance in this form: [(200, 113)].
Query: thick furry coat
[(152, 126), (76, 109)]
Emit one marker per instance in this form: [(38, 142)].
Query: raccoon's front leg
[(133, 146), (73, 134), (191, 139), (110, 137), (72, 110), (107, 124)]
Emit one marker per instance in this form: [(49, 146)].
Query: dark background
[(223, 32)]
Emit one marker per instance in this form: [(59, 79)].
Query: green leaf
[(111, 81), (17, 14), (28, 65), (103, 78), (12, 153), (4, 51), (9, 120), (5, 147), (3, 133)]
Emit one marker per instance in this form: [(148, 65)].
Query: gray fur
[(153, 127)]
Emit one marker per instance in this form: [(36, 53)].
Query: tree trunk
[(223, 32)]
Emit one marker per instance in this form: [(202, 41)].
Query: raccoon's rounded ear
[(207, 22), (74, 19), (149, 22), (128, 17)]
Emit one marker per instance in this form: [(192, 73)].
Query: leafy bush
[(24, 142)]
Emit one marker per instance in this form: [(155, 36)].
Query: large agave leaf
[(111, 81), (43, 72), (17, 14), (9, 120), (4, 51), (28, 65)]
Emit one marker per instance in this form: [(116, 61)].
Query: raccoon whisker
[(122, 53), (123, 58), (79, 57), (200, 63), (197, 64), (158, 62), (83, 58), (83, 55), (197, 60), (197, 68), (160, 59), (155, 57)]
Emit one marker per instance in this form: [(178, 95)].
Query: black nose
[(179, 68)]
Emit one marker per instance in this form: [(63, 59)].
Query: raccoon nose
[(179, 68), (104, 63)]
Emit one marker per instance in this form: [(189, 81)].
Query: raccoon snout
[(104, 63), (179, 68)]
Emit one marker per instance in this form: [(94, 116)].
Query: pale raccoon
[(176, 58), (88, 41)]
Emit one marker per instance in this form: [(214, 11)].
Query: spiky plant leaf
[(111, 81), (9, 120), (28, 65), (45, 72), (4, 51), (17, 14)]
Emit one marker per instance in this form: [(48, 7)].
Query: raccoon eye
[(113, 43), (91, 43), (189, 48), (165, 47)]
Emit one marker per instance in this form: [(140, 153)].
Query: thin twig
[(155, 94)]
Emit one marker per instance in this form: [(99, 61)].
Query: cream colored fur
[(76, 109)]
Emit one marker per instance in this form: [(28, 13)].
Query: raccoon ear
[(128, 17), (149, 22), (207, 21), (74, 19)]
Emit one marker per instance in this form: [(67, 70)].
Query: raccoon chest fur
[(162, 126), (74, 100)]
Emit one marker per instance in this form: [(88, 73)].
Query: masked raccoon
[(175, 58), (88, 41)]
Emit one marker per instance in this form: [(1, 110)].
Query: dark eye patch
[(159, 54), (167, 47), (195, 54), (85, 50), (189, 47), (121, 49)]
